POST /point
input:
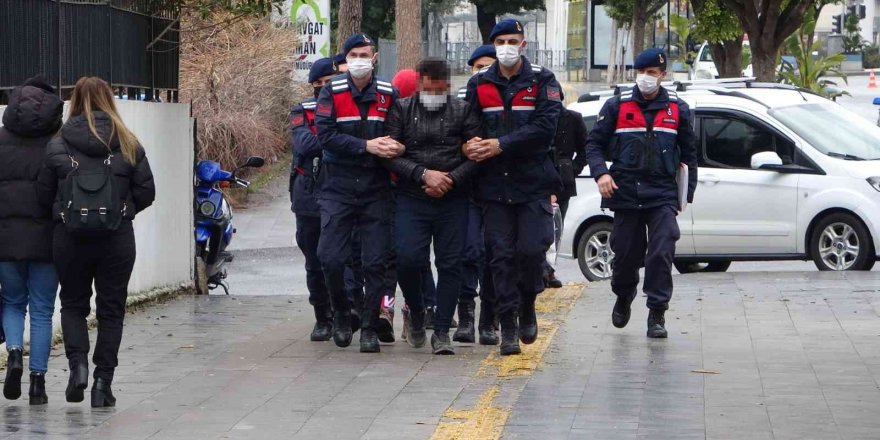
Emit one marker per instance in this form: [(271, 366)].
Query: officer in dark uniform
[(354, 189), (646, 133), (519, 104), (475, 256), (304, 171)]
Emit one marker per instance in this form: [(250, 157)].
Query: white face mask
[(359, 67), (432, 102), (647, 84), (508, 54)]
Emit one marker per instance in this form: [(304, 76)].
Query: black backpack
[(90, 200)]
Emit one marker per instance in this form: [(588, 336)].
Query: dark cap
[(321, 68), (506, 27), (486, 50), (339, 59), (356, 40), (650, 58)]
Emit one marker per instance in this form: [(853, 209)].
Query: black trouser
[(308, 233), (474, 254), (632, 247), (518, 237), (338, 220), (107, 262)]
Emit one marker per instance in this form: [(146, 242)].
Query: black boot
[(509, 334), (357, 306), (440, 343), (488, 336), (465, 331), (37, 392), (342, 329), (429, 318), (323, 330), (102, 396), (656, 324), (14, 368), (369, 341), (78, 382), (551, 281), (622, 309), (528, 321), (416, 334)]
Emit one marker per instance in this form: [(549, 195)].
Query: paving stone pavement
[(749, 356)]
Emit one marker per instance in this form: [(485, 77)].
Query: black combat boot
[(416, 334), (342, 329), (78, 382), (656, 324), (37, 392), (622, 310), (14, 368), (550, 280), (102, 396), (528, 321), (488, 336), (369, 341), (440, 343), (323, 330), (465, 331), (509, 334)]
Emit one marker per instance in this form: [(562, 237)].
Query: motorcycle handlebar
[(242, 182)]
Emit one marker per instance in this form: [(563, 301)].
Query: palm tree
[(809, 73)]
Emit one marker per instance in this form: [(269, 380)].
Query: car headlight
[(207, 209), (874, 182), (704, 74)]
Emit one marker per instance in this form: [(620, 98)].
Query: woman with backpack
[(97, 179), (27, 274)]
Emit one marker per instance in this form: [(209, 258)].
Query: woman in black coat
[(27, 274), (94, 138)]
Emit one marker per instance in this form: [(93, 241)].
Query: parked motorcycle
[(213, 222)]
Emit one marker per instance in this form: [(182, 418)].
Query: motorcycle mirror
[(254, 162)]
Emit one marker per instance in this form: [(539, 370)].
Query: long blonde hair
[(93, 94)]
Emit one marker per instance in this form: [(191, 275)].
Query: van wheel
[(594, 252), (200, 278), (841, 242), (715, 266)]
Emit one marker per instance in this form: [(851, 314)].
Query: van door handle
[(709, 179)]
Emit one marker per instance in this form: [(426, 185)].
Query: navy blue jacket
[(306, 158), (350, 174), (525, 125), (645, 188)]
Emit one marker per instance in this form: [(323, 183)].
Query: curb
[(134, 302)]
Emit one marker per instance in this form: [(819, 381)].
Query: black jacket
[(30, 120), (570, 148), (433, 141), (134, 182), (641, 190)]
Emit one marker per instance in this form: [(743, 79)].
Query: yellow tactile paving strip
[(486, 420)]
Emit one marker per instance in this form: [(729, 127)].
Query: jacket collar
[(366, 95), (660, 102), (525, 76)]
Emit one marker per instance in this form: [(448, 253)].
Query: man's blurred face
[(481, 63), (433, 86)]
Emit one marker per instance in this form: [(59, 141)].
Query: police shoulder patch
[(536, 68), (462, 93), (554, 94), (309, 105), (325, 109)]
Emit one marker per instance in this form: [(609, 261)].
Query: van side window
[(730, 142)]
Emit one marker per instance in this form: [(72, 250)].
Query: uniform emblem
[(297, 120), (529, 89), (518, 27), (367, 40), (325, 109), (669, 111), (382, 99), (554, 93), (660, 58)]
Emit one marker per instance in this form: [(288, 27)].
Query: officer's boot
[(323, 330), (369, 341), (656, 324), (528, 321), (622, 310), (509, 334), (416, 335), (465, 331), (488, 336), (342, 328)]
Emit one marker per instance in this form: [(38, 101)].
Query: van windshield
[(832, 130)]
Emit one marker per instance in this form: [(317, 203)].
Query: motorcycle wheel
[(201, 276)]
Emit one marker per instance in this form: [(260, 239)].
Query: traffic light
[(858, 10), (837, 24), (862, 12)]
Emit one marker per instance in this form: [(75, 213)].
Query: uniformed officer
[(646, 133), (306, 162), (353, 187), (519, 104), (475, 256)]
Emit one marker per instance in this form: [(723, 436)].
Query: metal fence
[(132, 44)]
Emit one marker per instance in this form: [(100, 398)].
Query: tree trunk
[(485, 22), (764, 60), (612, 56), (408, 22), (351, 12), (728, 58), (638, 32)]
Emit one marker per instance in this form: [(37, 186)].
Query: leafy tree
[(643, 11), (768, 23), (852, 39), (488, 10), (811, 73), (721, 28)]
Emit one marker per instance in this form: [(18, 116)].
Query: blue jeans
[(29, 286), (418, 222)]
